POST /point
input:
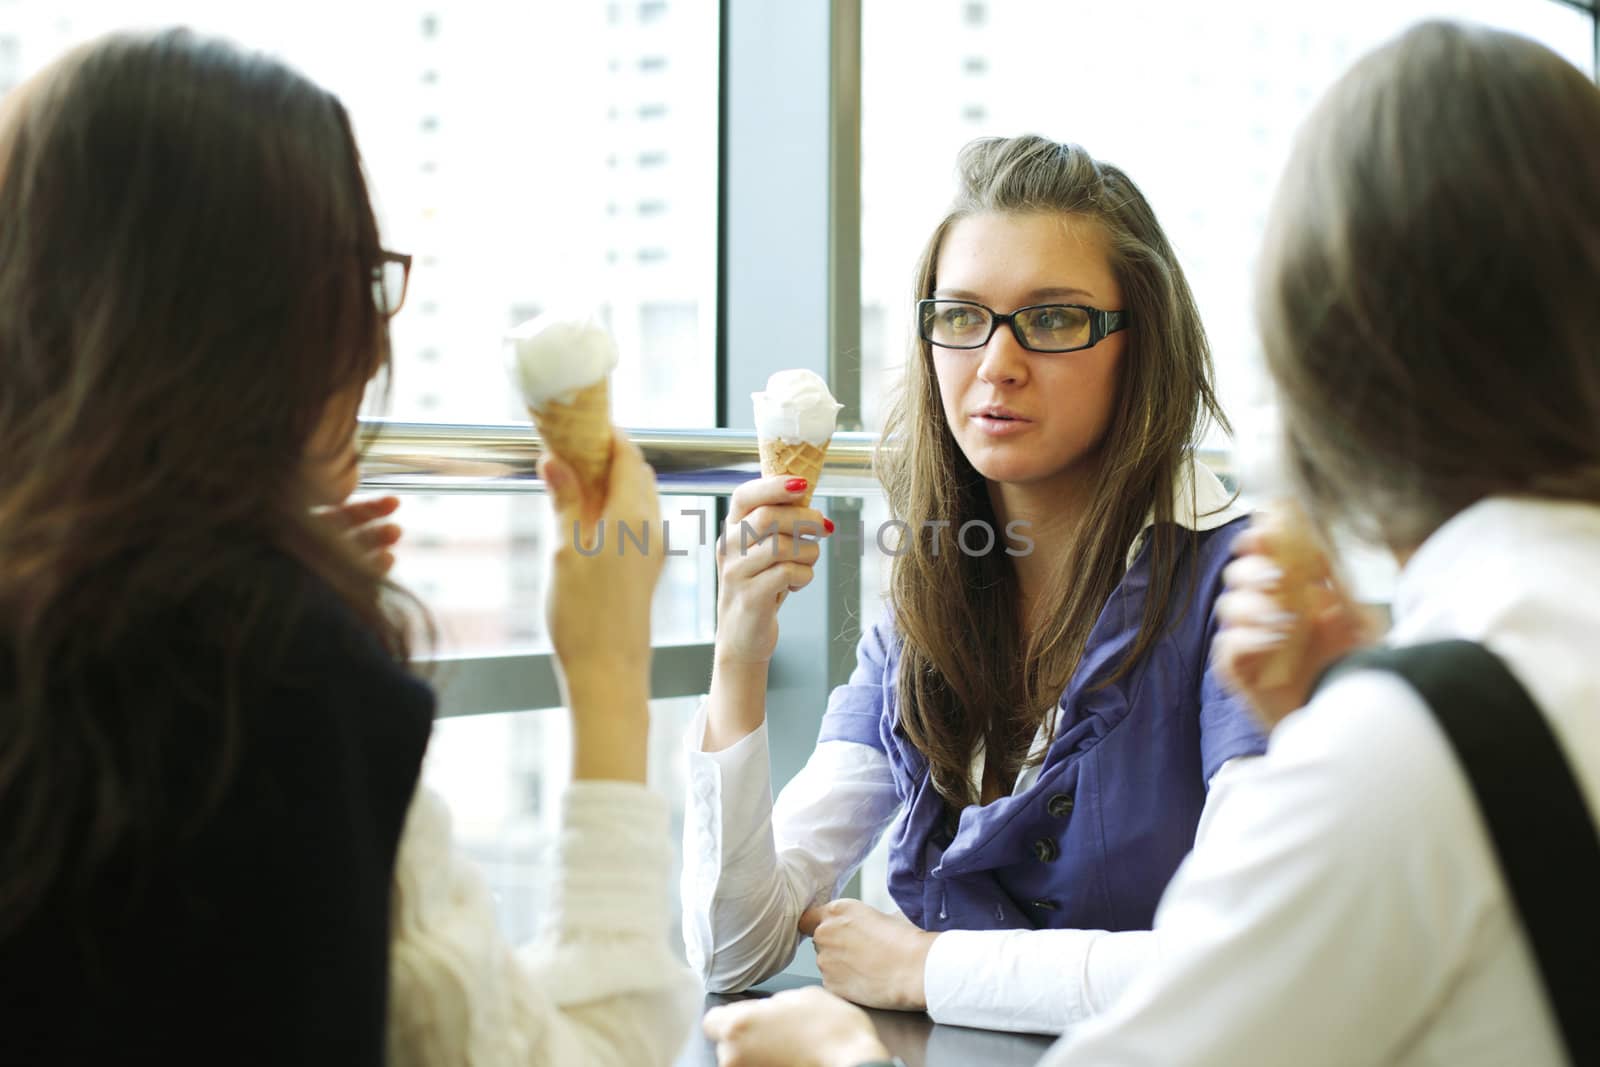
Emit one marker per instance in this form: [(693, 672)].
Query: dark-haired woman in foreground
[(212, 845), (1427, 306)]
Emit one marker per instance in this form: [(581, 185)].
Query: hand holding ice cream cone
[(1303, 566), (562, 366), (1286, 616)]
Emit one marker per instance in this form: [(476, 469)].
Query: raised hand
[(1282, 625), (365, 523), (768, 549), (598, 612)]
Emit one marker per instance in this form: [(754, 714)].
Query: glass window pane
[(479, 563), (502, 777), (494, 168), (493, 165)]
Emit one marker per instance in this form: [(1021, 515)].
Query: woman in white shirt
[(1427, 306), (1035, 722)]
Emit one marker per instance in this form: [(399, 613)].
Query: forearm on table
[(750, 939), (1036, 981)]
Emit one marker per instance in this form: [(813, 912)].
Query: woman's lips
[(1000, 424)]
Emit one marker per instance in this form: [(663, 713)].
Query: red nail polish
[(827, 524), (795, 485)]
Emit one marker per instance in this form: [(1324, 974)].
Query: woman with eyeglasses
[(213, 848), (1408, 876), (1036, 722)]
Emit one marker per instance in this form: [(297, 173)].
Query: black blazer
[(263, 938)]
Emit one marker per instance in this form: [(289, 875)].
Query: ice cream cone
[(580, 433), (1296, 551), (562, 365), (796, 416), (795, 459)]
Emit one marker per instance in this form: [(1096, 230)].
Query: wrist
[(611, 742), (916, 992), (736, 704), (727, 661), (608, 679)]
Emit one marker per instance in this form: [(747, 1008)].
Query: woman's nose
[(1005, 361)]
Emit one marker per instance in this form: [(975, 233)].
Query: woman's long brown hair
[(968, 673), (1427, 289), (186, 256)]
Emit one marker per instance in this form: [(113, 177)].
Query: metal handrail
[(456, 458), (425, 457)]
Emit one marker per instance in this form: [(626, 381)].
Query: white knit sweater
[(599, 986)]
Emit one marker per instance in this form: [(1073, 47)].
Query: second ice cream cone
[(797, 460), (1298, 556), (580, 433)]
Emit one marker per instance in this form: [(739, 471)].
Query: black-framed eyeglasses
[(1037, 327), (390, 279)]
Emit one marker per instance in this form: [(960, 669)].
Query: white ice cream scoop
[(555, 356), (796, 407)]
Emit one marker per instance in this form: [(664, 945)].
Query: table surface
[(913, 1037)]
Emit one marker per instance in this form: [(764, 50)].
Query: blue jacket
[(1094, 841)]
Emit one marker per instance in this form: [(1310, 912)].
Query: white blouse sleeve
[(1046, 981), (600, 986), (750, 867)]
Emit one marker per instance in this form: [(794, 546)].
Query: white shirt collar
[(1489, 558), (1199, 502)]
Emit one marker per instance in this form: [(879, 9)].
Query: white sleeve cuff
[(614, 860), (1032, 981)]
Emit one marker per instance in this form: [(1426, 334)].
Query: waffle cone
[(800, 459), (580, 433), (1298, 555)]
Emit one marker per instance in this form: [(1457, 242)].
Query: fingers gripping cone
[(795, 419), (795, 459), (563, 367)]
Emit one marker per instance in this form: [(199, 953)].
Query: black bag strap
[(1543, 833)]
